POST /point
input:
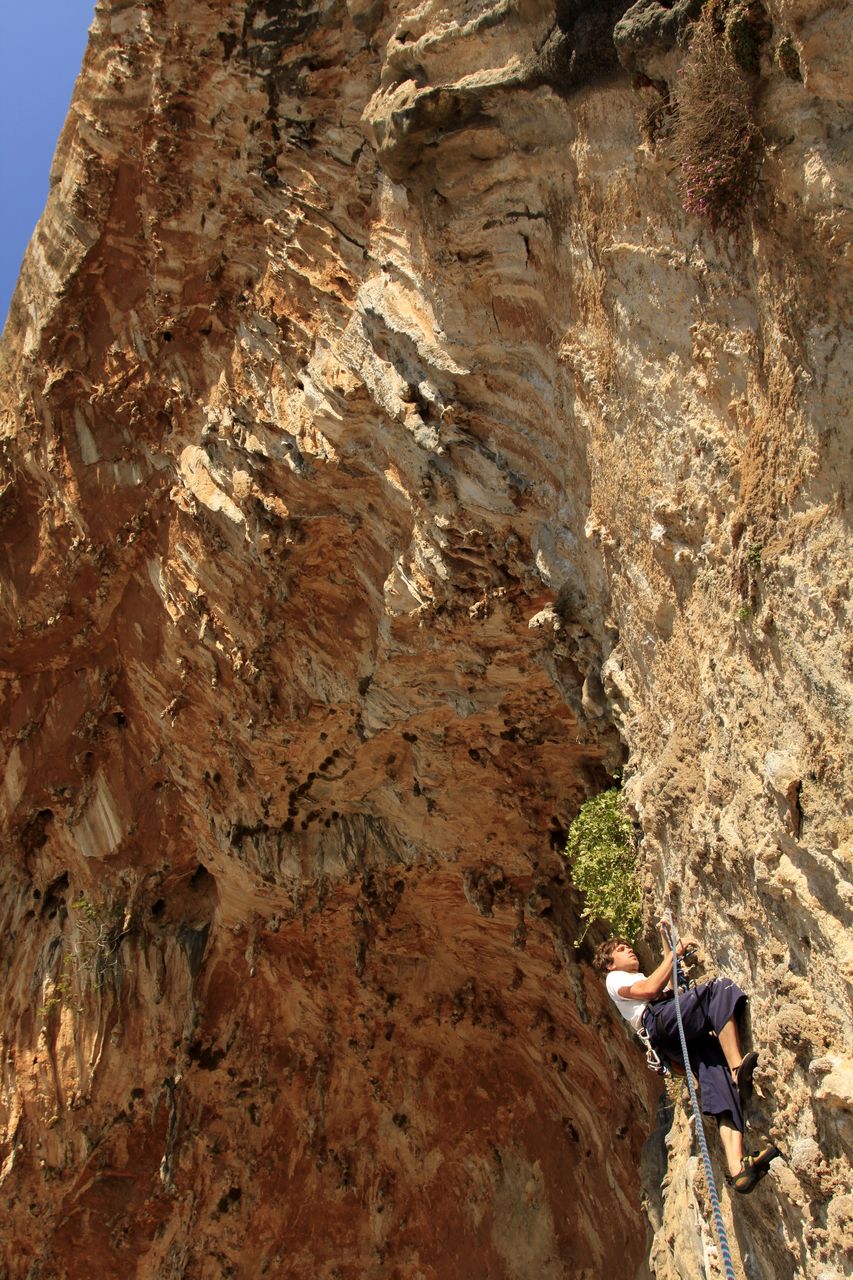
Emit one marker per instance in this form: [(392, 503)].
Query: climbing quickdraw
[(653, 1060)]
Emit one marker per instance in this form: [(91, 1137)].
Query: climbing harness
[(654, 1061), (672, 939)]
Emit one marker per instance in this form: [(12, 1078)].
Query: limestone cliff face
[(387, 457)]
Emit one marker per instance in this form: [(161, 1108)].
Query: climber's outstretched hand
[(684, 944), (664, 929)]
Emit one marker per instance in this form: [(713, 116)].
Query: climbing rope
[(672, 938)]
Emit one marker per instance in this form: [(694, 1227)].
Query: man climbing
[(709, 1012)]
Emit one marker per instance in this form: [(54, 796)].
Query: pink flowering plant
[(716, 140)]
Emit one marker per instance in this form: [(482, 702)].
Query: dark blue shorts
[(704, 1009)]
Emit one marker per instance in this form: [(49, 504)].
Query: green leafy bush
[(602, 853)]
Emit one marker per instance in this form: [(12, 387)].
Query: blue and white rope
[(700, 1128)]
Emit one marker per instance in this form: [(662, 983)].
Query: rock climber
[(709, 1015)]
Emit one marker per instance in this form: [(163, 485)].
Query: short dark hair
[(603, 956)]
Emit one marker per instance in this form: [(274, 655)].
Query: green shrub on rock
[(747, 28), (602, 854), (788, 58)]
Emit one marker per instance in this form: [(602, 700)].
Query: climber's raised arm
[(661, 978)]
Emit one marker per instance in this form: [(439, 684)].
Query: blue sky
[(41, 49)]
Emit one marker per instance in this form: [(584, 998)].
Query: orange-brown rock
[(386, 458)]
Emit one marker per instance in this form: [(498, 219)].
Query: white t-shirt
[(631, 1010)]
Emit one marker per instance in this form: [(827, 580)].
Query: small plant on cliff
[(788, 58), (602, 853), (61, 992), (93, 953), (100, 929), (92, 956), (747, 28), (675, 1090), (716, 140)]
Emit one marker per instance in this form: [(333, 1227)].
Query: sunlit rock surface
[(386, 459)]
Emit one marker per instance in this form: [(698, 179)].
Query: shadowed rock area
[(387, 458)]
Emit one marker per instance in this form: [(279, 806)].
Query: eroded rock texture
[(387, 457)]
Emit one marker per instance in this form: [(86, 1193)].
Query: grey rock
[(650, 28), (580, 49)]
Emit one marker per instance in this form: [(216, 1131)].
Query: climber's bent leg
[(732, 1140), (729, 1039), (720, 1094)]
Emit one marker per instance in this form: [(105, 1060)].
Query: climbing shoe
[(753, 1169), (743, 1076)]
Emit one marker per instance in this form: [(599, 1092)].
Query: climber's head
[(615, 953)]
